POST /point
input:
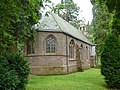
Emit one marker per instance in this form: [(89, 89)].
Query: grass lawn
[(87, 80)]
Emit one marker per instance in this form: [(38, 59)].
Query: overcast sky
[(85, 8)]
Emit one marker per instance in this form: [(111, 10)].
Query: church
[(59, 48)]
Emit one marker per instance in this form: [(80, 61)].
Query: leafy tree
[(90, 30), (14, 71), (17, 19), (100, 26), (113, 7), (69, 11), (110, 57)]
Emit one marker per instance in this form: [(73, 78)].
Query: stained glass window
[(71, 49)]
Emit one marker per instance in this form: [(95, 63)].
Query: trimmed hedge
[(110, 61), (14, 71)]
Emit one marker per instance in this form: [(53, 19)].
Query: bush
[(110, 61), (14, 71)]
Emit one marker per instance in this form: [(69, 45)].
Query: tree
[(69, 11), (90, 30), (113, 7), (110, 57), (14, 71), (100, 26), (17, 19)]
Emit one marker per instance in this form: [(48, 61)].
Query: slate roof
[(54, 23)]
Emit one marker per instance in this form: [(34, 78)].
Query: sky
[(85, 8)]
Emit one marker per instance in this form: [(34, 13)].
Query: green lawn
[(87, 80)]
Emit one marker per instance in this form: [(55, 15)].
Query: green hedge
[(14, 71), (110, 61)]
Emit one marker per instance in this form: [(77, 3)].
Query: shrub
[(14, 70), (110, 61)]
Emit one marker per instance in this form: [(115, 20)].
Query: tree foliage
[(14, 71), (69, 11), (100, 25), (110, 57), (113, 7), (17, 18)]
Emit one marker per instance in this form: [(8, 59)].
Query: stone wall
[(48, 70), (40, 43), (43, 63), (73, 62), (47, 64)]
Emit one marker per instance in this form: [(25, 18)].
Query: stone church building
[(59, 48)]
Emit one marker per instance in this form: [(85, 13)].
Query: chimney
[(83, 30)]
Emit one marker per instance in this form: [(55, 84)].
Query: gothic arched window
[(50, 44), (71, 49), (82, 52), (87, 53), (30, 47)]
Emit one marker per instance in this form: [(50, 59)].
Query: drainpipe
[(67, 55)]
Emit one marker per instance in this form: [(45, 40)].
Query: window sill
[(72, 59), (50, 54), (30, 54)]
